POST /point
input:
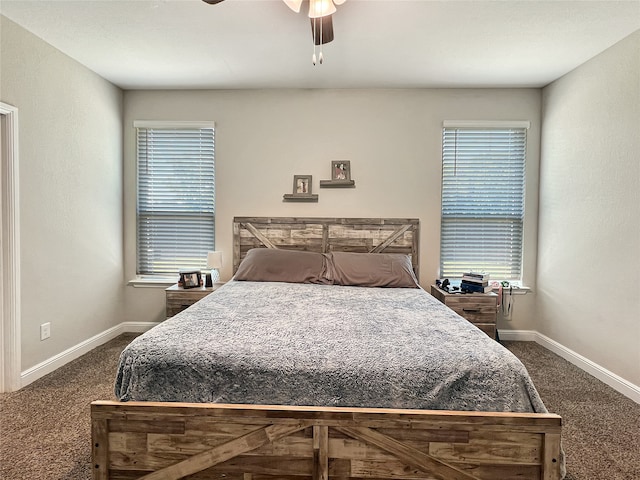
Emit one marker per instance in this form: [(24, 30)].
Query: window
[(176, 196), (483, 183)]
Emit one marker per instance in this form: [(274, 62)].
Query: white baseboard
[(38, 371), (616, 382), (518, 335)]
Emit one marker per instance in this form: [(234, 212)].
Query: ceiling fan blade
[(294, 5), (212, 2)]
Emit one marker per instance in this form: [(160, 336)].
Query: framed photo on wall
[(340, 170), (340, 175), (302, 184)]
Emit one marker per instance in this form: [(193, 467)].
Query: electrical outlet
[(45, 331)]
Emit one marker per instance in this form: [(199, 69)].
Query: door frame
[(10, 255)]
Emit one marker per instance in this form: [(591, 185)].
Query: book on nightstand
[(473, 288), (475, 282)]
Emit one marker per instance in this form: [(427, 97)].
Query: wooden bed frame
[(162, 441)]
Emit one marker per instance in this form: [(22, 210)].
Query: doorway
[(9, 251)]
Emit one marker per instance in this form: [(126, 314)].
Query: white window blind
[(176, 198), (483, 181)]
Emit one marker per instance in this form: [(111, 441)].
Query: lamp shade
[(214, 259)]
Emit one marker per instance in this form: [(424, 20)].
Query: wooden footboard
[(146, 440)]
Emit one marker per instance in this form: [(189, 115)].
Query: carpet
[(45, 430)]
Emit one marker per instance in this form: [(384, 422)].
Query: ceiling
[(152, 44)]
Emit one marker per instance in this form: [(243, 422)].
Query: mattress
[(277, 343)]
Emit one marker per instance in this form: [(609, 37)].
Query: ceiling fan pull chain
[(313, 59), (321, 41)]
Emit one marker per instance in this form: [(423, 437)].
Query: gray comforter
[(301, 344)]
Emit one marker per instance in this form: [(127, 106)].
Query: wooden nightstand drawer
[(178, 298), (474, 308), (488, 328), (479, 308)]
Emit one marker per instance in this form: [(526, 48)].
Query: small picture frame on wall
[(302, 184), (341, 170), (190, 279), (340, 175)]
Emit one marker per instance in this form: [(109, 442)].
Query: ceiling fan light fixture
[(322, 31), (321, 8), (294, 4)]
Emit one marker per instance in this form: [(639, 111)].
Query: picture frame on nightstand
[(190, 279)]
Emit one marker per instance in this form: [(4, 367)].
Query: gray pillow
[(275, 265), (372, 270)]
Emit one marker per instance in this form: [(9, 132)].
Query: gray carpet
[(601, 427), (45, 427)]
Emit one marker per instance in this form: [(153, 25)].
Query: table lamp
[(214, 262)]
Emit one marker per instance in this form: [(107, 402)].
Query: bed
[(323, 377)]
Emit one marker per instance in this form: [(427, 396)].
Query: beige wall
[(393, 139), (589, 227), (70, 171)]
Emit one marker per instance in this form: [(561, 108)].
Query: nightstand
[(178, 298), (481, 309)]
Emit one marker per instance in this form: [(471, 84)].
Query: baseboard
[(616, 382), (38, 371), (518, 335)]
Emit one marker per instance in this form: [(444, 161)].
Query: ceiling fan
[(320, 14)]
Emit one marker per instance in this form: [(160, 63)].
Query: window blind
[(483, 185), (176, 199)]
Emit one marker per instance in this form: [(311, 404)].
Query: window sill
[(156, 282), (514, 290)]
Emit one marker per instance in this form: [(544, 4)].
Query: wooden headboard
[(374, 235)]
